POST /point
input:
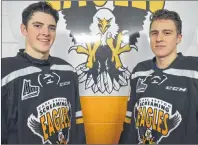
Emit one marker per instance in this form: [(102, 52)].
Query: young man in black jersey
[(39, 101), (163, 105)]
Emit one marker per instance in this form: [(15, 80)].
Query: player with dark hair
[(39, 93)]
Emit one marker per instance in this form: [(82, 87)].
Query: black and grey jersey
[(163, 105), (40, 102)]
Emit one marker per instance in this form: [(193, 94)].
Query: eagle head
[(104, 23)]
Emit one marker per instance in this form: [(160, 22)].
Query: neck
[(164, 62), (36, 54)]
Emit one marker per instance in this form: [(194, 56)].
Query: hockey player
[(163, 105), (39, 101)]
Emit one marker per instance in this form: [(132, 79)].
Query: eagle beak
[(103, 25)]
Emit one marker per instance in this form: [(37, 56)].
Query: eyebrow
[(162, 30), (153, 31), (51, 25), (37, 23), (168, 30)]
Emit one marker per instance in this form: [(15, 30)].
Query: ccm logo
[(178, 89)]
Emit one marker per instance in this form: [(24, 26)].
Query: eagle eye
[(99, 25), (98, 19), (108, 26), (109, 20)]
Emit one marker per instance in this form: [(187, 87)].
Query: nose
[(45, 32), (159, 37)]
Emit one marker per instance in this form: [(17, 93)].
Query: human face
[(40, 33), (164, 38)]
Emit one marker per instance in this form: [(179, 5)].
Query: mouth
[(160, 46), (44, 41)]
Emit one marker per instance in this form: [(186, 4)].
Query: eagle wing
[(35, 125), (130, 19), (78, 19), (174, 121)]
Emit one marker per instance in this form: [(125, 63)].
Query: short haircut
[(167, 15), (38, 7)]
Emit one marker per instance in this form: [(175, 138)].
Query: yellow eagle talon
[(116, 51)]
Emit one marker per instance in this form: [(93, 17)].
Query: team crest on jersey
[(102, 34), (29, 90), (154, 120), (142, 83), (53, 121)]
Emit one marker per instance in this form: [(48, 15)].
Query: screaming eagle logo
[(102, 33), (154, 120), (53, 122)]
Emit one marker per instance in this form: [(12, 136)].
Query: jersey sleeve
[(4, 114), (195, 92), (197, 112), (9, 109), (80, 132), (129, 133), (4, 100), (196, 103), (192, 116)]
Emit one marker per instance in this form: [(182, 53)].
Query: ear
[(179, 38), (23, 29)]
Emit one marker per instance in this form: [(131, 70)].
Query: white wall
[(9, 43), (12, 40)]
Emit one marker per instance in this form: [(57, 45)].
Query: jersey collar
[(34, 60)]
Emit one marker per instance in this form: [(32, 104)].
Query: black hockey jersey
[(40, 102), (163, 105)]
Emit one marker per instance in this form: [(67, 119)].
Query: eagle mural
[(103, 34)]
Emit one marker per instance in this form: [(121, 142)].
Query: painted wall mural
[(102, 34)]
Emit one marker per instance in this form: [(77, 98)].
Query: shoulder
[(190, 63), (144, 66), (61, 64), (10, 64)]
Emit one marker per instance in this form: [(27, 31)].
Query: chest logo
[(28, 90)]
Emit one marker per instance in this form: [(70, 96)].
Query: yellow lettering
[(139, 115), (139, 4), (154, 119), (142, 122), (159, 122), (67, 121), (50, 124), (64, 115), (165, 131), (55, 4), (82, 3), (67, 4), (156, 5), (56, 119), (121, 3), (42, 120), (153, 5), (149, 117), (100, 3)]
